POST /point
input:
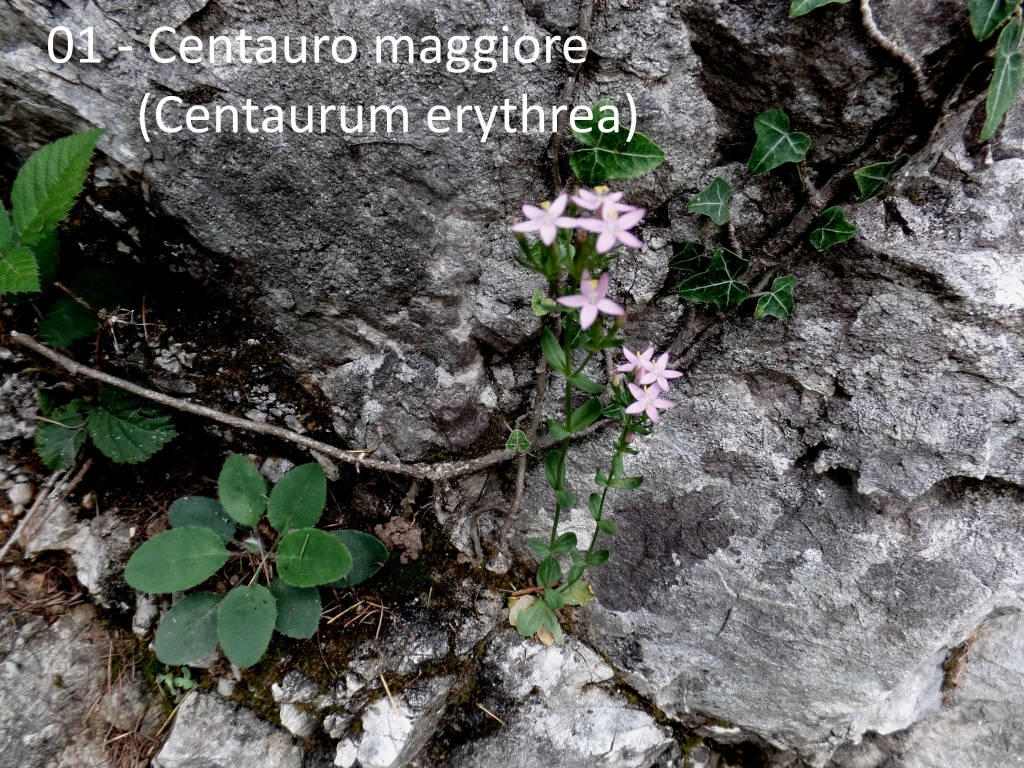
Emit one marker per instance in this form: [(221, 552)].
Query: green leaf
[(175, 560), (834, 229), (601, 163), (557, 430), (692, 259), (7, 234), (554, 469), (517, 442), (540, 547), (188, 630), (778, 302), (554, 599), (594, 504), (720, 284), (565, 499), (586, 384), (775, 144), (1006, 79), (565, 543), (608, 526), (368, 555), (713, 201), (67, 322), (298, 499), (548, 572), (46, 253), (988, 15), (625, 483), (59, 443), (298, 609), (553, 351), (19, 271), (871, 179), (126, 429), (242, 490), (578, 593), (602, 114), (801, 7), (585, 415), (245, 623), (600, 557), (542, 304), (201, 512), (309, 557), (530, 620), (48, 183)]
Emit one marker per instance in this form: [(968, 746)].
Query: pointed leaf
[(126, 429), (201, 512), (553, 351), (586, 384), (871, 179), (298, 609), (692, 259), (585, 415), (834, 229), (775, 144), (298, 499), (245, 623), (801, 7), (242, 490), (48, 183), (601, 113), (178, 559), (188, 630), (309, 557), (67, 322), (19, 271), (720, 284), (779, 301), (988, 15), (59, 440), (368, 556), (713, 201), (1006, 79), (554, 469), (594, 503), (517, 442), (598, 164)]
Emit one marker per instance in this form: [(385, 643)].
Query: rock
[(209, 732), (297, 720), (393, 733), (21, 494), (18, 407), (346, 754)]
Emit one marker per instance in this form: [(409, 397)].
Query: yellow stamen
[(602, 190), (546, 204)]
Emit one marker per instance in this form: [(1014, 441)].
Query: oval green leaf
[(201, 512), (368, 556), (298, 609), (188, 630), (242, 490), (298, 500), (245, 623), (309, 557), (175, 560)]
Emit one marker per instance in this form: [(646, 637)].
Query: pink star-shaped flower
[(546, 219), (594, 200), (657, 372), (637, 362), (613, 227), (591, 300), (647, 401)]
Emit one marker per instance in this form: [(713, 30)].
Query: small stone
[(226, 686), (346, 754), (336, 725), (298, 721), (21, 494)]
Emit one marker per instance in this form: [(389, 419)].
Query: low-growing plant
[(175, 684), (279, 545)]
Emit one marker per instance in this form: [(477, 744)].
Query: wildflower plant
[(279, 544)]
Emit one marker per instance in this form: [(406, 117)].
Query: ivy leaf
[(988, 15), (1006, 79), (517, 442), (201, 512), (188, 630), (778, 302), (596, 165), (720, 284), (834, 229), (19, 271), (368, 555), (48, 183), (245, 623), (298, 499), (242, 490), (871, 179), (775, 144), (713, 201), (178, 559), (67, 322), (802, 7), (298, 609), (693, 258), (59, 440), (125, 429), (309, 557)]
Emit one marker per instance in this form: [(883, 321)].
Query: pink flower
[(591, 300), (546, 219), (647, 401), (637, 363), (613, 227), (594, 200), (657, 372)]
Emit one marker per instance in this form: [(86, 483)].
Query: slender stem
[(565, 443)]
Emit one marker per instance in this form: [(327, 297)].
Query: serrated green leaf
[(542, 304), (598, 164), (801, 7), (776, 145), (871, 179), (577, 592), (47, 185), (66, 322), (59, 440), (368, 555), (778, 302), (309, 557), (713, 201), (188, 630), (242, 490), (553, 351), (178, 559), (598, 557), (298, 499), (585, 415), (19, 271), (548, 572), (245, 623), (834, 229), (720, 284), (988, 15), (1006, 79), (7, 235), (201, 512), (126, 429), (298, 609), (45, 250), (566, 542), (517, 442)]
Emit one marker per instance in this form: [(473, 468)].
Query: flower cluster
[(611, 222), (651, 380)]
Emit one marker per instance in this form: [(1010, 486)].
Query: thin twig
[(488, 712), (531, 435)]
